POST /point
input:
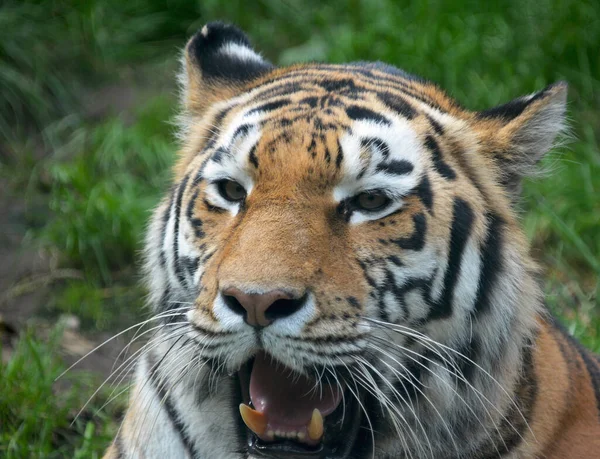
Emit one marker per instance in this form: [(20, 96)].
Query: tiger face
[(333, 232)]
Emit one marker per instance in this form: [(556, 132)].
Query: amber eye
[(371, 201), (232, 191)]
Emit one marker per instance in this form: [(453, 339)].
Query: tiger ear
[(519, 133), (218, 61)]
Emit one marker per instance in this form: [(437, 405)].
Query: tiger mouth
[(293, 417)]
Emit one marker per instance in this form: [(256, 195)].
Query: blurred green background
[(88, 98)]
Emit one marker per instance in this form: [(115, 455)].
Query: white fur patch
[(229, 320), (403, 144), (240, 52), (294, 324)]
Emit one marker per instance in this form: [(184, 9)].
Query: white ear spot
[(240, 52), (204, 31)]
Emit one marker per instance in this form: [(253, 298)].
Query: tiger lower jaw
[(286, 418)]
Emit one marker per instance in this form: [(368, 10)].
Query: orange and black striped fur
[(383, 215)]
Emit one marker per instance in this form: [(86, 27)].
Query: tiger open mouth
[(294, 416)]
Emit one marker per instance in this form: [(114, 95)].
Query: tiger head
[(338, 235)]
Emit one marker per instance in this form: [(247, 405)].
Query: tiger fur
[(427, 312)]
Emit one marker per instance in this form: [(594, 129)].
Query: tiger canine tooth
[(256, 422), (315, 427)]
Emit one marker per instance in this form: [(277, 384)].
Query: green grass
[(91, 179), (37, 419), (101, 197)]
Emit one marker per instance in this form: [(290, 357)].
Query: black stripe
[(395, 167), (164, 302), (467, 364), (378, 144), (241, 131), (398, 104), (362, 74), (252, 156), (344, 85), (216, 122), (510, 110), (352, 301), (415, 283), (310, 101), (195, 222), (210, 333), (593, 367), (282, 86), (270, 106), (329, 339), (410, 386), (394, 259), (437, 127), (514, 422), (462, 224), (327, 155), (424, 193), (491, 257), (438, 161), (171, 411), (217, 156), (340, 155), (312, 148), (207, 257), (363, 265), (395, 83), (591, 361), (190, 207), (166, 216), (467, 168), (292, 82), (356, 112), (190, 265), (176, 262), (416, 241)]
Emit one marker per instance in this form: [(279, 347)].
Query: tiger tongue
[(286, 398)]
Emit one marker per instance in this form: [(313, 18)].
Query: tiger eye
[(372, 201), (232, 191)]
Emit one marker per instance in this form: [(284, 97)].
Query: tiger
[(338, 271)]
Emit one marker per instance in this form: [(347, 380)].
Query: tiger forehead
[(308, 146), (322, 139), (313, 120)]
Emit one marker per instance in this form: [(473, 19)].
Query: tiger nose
[(261, 309)]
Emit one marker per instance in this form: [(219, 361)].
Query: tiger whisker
[(92, 396), (122, 374), (416, 387), (160, 382), (156, 317), (340, 388), (458, 376), (364, 410), (410, 332), (393, 411), (400, 400)]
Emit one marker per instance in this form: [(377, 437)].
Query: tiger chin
[(338, 272)]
